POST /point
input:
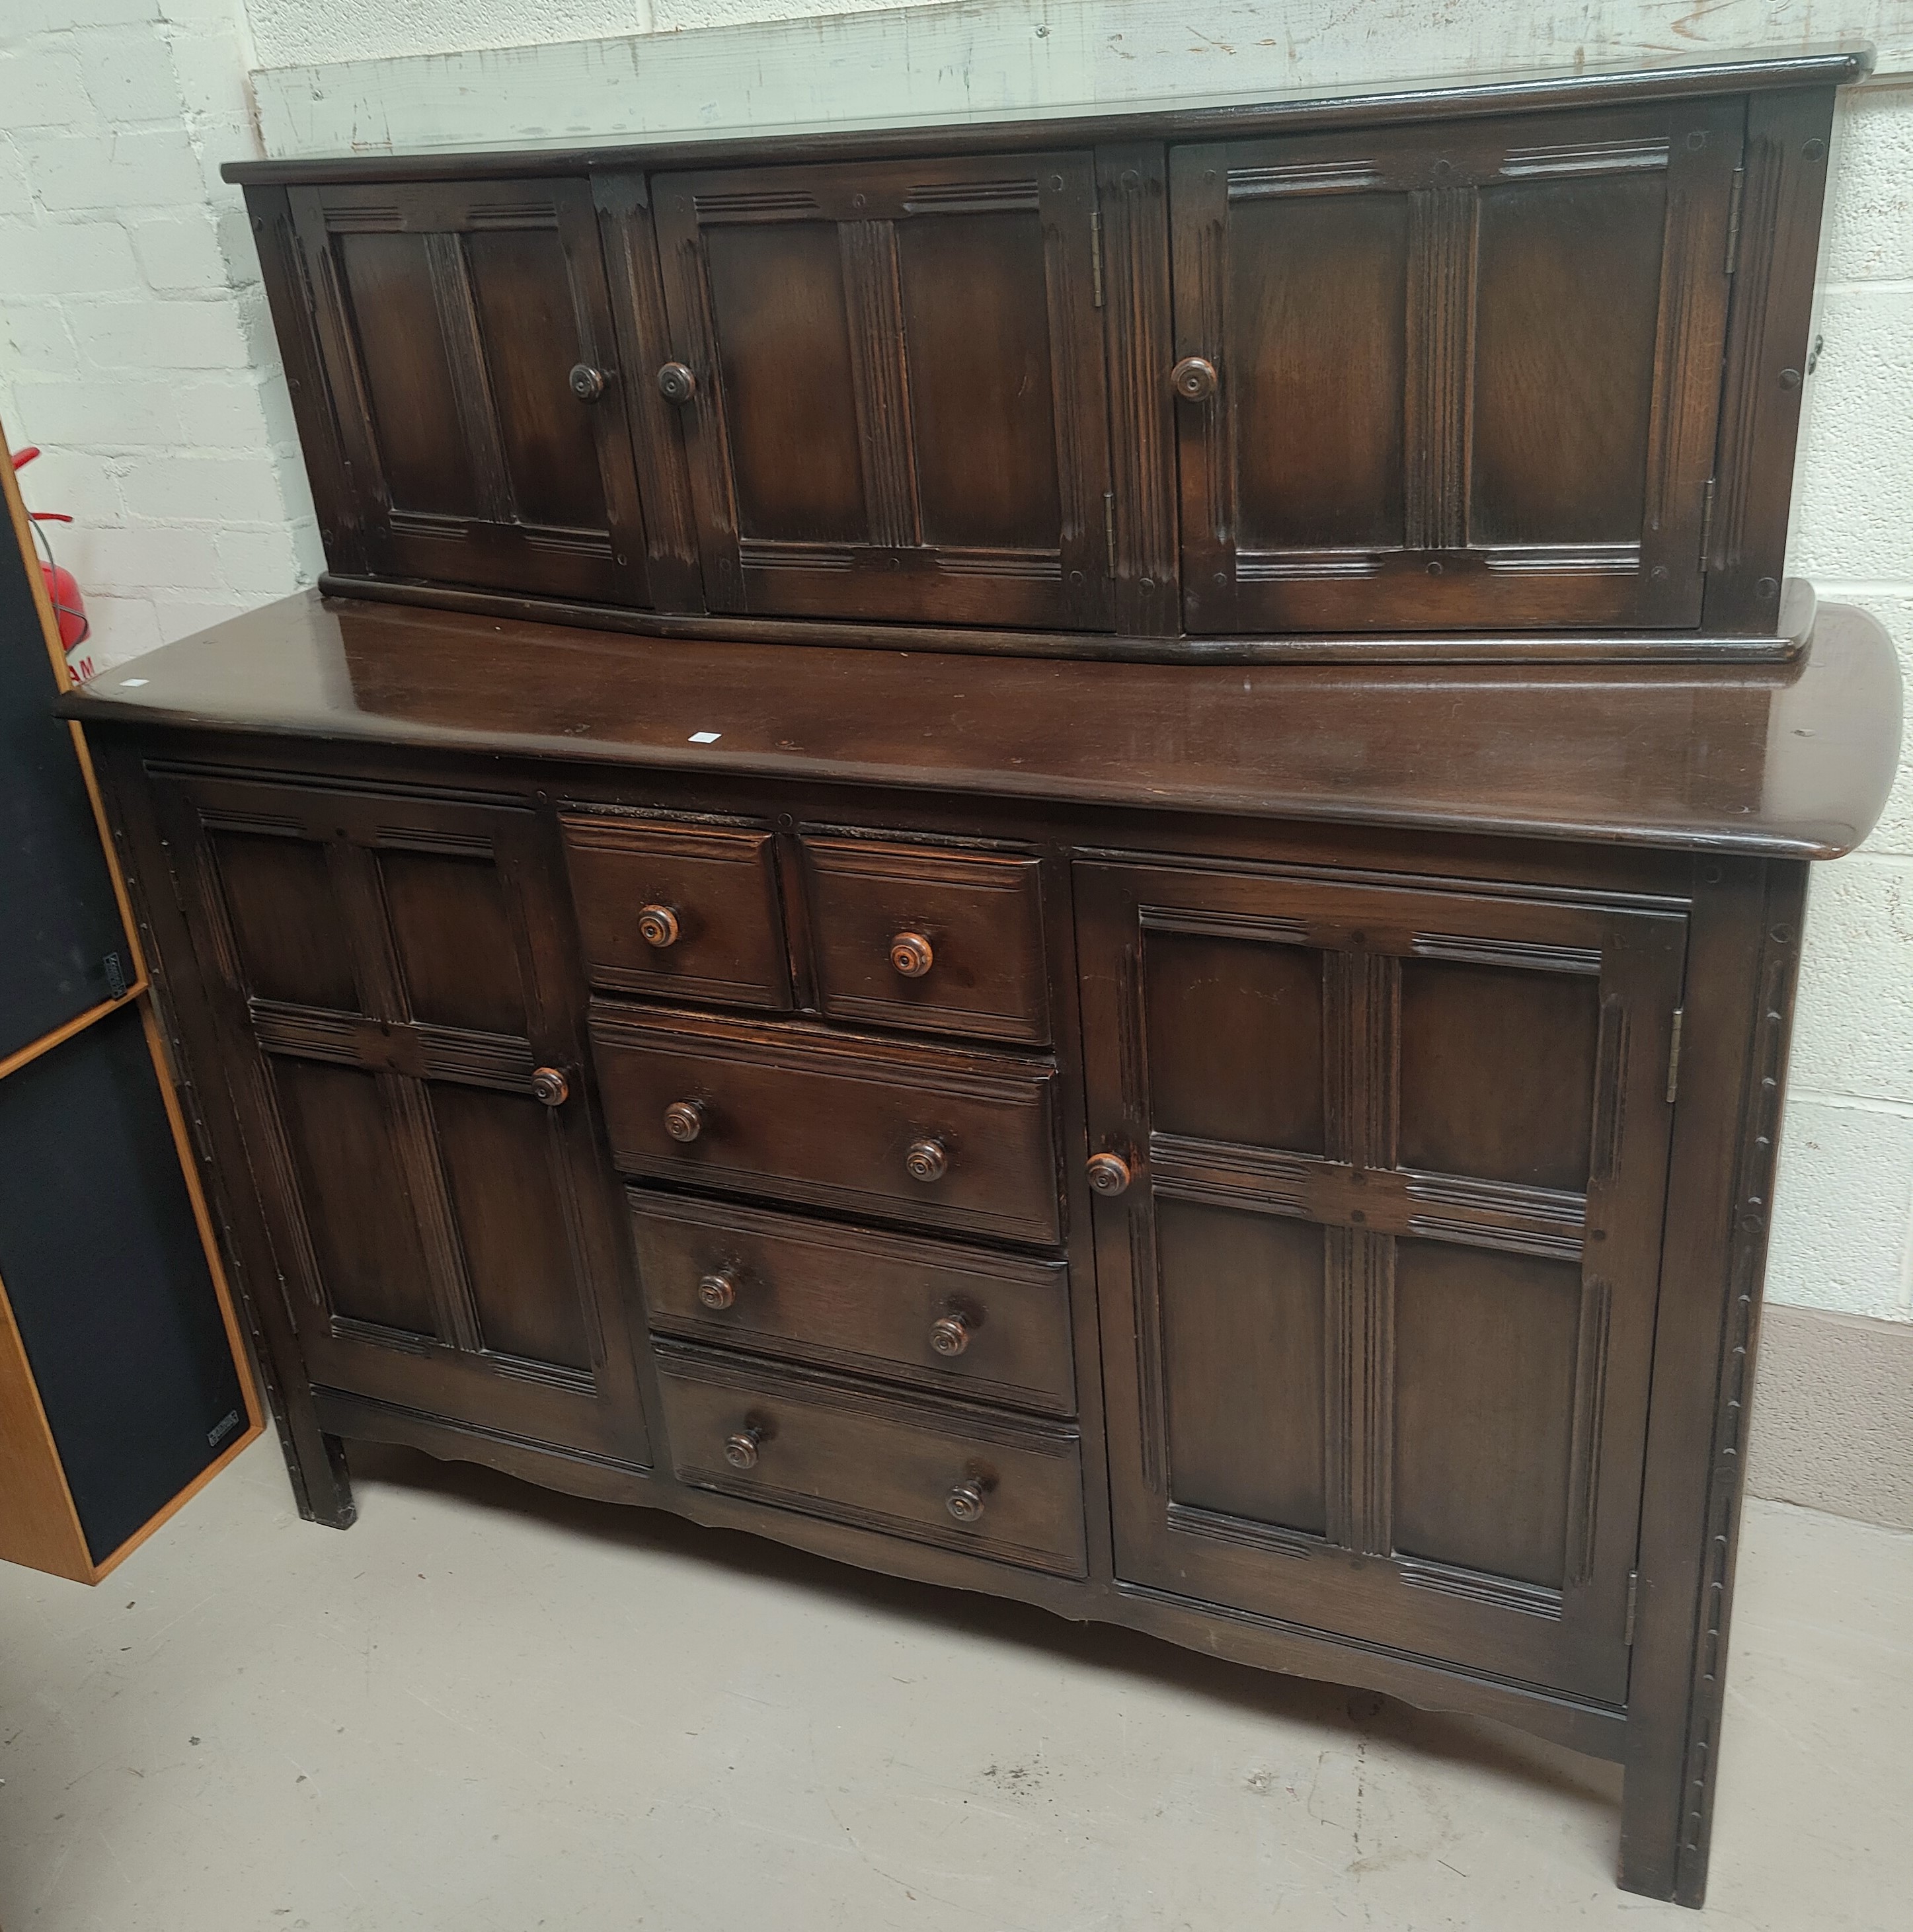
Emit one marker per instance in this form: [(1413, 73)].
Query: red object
[(68, 606)]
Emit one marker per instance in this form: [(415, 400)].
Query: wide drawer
[(935, 1472), (934, 1135), (679, 912), (937, 940), (994, 1327)]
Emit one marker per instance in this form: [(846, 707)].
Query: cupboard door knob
[(1109, 1173), (950, 1335), (926, 1160), (965, 1502), (684, 1120), (740, 1449), (549, 1087), (1194, 379), (657, 926), (910, 953), (588, 384), (718, 1290), (676, 383)]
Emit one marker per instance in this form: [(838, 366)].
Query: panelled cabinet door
[(1379, 1297), (404, 1050), (1443, 377), (467, 336), (891, 374)]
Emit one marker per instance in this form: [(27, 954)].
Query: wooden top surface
[(1793, 759), (1186, 117)]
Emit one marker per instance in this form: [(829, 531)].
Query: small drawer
[(935, 1135), (939, 941), (935, 1472), (993, 1327), (679, 912)]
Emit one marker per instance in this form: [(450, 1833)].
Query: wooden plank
[(38, 1524)]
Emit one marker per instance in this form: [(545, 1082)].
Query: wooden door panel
[(897, 407), (442, 1228), (1378, 1301), (450, 317), (1467, 374)]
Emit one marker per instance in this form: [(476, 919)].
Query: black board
[(100, 1256), (62, 949)]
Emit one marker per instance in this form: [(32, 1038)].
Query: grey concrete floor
[(491, 1710)]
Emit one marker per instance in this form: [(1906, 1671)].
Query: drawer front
[(994, 1327), (934, 1472), (941, 942), (679, 912), (831, 1120)]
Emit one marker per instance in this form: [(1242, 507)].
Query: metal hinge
[(1109, 526), (1633, 1597), (1096, 254), (1674, 1057), (1707, 521), (1739, 182)]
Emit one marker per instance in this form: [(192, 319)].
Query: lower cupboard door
[(400, 1035), (1378, 1297)]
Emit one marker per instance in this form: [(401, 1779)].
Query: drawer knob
[(676, 383), (965, 1502), (1109, 1173), (549, 1087), (740, 1449), (950, 1334), (684, 1120), (1194, 379), (657, 926), (718, 1290), (910, 953), (926, 1160), (588, 384)]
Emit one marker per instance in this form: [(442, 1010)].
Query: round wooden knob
[(950, 1334), (912, 955), (1194, 379), (965, 1502), (588, 384), (1109, 1173), (676, 383), (926, 1160), (684, 1120), (740, 1449), (549, 1087), (718, 1290), (657, 926)]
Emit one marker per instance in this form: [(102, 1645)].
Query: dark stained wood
[(829, 1447), (858, 1299), (1306, 1242), (1473, 1304), (830, 1120), (1793, 761), (1411, 98), (716, 931), (897, 402), (971, 928), (1461, 369), (449, 321), (1467, 374)]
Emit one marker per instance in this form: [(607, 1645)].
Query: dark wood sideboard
[(1065, 858)]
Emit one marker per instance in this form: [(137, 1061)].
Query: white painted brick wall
[(128, 346), (132, 337)]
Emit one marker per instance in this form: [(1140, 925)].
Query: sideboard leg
[(1652, 1815), (321, 1483)]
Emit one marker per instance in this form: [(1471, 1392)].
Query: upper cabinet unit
[(467, 339), (891, 379), (1452, 377), (1514, 369)]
